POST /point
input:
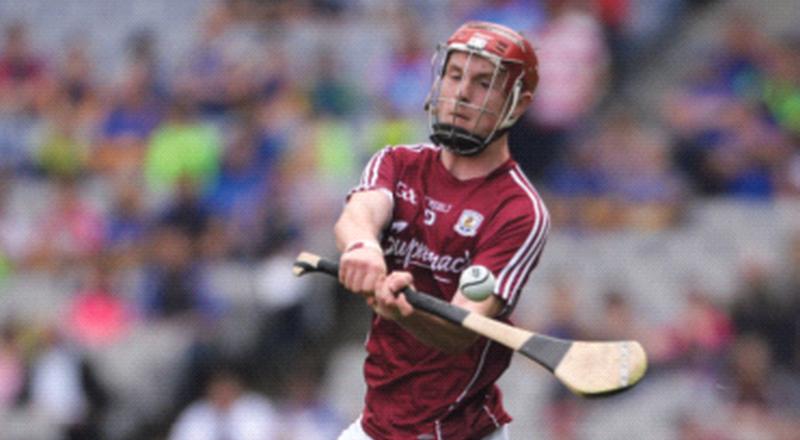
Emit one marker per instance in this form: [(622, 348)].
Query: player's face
[(469, 97)]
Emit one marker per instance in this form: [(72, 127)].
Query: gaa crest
[(468, 223)]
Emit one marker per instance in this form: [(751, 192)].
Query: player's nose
[(464, 90)]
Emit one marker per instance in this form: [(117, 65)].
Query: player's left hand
[(389, 301)]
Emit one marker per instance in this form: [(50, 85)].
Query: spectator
[(76, 78), (700, 335), (782, 86), (229, 410), (135, 112), (790, 292), (75, 91), (302, 413), (16, 232), (186, 210), (403, 76), (63, 152), (291, 317), (563, 412), (142, 53), (175, 284), (618, 321), (182, 147), (562, 318), (621, 179), (728, 148), (98, 316), (203, 74), (615, 16), (757, 310), (573, 69), (317, 165), (641, 179), (331, 95), (64, 386), (740, 61), (762, 399), (747, 155), (70, 232), (520, 15), (129, 221), (21, 71), (242, 193), (578, 187), (12, 366)]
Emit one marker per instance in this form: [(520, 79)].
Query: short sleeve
[(511, 250), (380, 173)]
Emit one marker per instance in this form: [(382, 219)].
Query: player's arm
[(427, 328), (357, 233), (502, 250)]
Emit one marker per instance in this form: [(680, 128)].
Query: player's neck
[(470, 167)]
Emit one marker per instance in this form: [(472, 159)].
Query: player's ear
[(525, 99)]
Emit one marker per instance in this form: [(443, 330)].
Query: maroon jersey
[(440, 226)]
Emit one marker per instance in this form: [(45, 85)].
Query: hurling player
[(421, 214)]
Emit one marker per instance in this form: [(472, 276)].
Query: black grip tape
[(545, 350), (420, 300), (435, 306), (328, 267)]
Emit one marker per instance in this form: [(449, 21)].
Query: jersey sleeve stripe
[(511, 276), (371, 171), (365, 173), (418, 148), (369, 177), (532, 245), (370, 174), (502, 280), (520, 274), (523, 275)]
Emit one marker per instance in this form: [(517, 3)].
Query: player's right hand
[(360, 270)]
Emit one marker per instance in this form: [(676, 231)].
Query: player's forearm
[(363, 218), (353, 226), (438, 333)]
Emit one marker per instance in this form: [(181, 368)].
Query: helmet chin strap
[(462, 142)]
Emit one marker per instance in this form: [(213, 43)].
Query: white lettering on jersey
[(430, 217), (406, 193), (418, 254), (398, 226), (437, 205)]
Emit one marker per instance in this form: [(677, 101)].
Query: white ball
[(476, 283)]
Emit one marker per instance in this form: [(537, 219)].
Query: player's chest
[(436, 228)]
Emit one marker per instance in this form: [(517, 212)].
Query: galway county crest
[(468, 223)]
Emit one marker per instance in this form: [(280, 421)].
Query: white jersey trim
[(418, 147), (494, 419), (515, 272), (475, 376), (371, 172)]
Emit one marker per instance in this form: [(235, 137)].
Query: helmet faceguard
[(514, 63)]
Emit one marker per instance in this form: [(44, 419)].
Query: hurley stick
[(587, 368)]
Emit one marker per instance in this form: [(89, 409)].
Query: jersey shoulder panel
[(413, 152), (516, 237)]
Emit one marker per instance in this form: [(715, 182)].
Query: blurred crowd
[(135, 193), (721, 366)]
